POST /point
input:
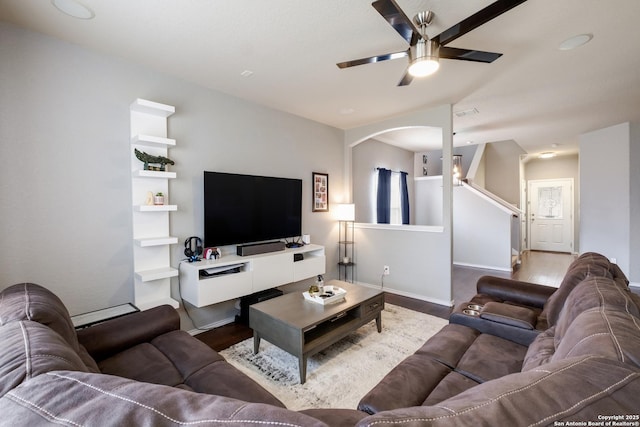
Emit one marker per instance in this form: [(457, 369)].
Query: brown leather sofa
[(519, 311), (139, 369), (479, 371)]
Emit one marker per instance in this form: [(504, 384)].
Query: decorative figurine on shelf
[(150, 160), (149, 200)]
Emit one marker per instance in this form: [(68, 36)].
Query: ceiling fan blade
[(400, 22), (479, 18), (372, 59), (468, 55), (406, 79)]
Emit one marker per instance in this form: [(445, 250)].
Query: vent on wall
[(463, 113)]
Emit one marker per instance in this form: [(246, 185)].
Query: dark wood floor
[(545, 268)]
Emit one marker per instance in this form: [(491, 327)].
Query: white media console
[(235, 276)]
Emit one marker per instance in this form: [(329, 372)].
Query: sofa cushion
[(575, 389), (30, 349), (454, 383), (88, 361), (109, 338), (593, 292), (572, 278), (143, 362), (336, 417), (75, 398), (454, 359), (177, 359), (540, 350), (449, 344), (28, 301), (490, 357), (408, 384), (591, 334), (601, 331)]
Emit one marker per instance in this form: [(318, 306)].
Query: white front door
[(551, 215)]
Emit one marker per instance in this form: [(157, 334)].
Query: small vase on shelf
[(158, 199)]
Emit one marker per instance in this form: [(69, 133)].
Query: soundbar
[(259, 248)]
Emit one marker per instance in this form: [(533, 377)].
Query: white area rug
[(341, 375)]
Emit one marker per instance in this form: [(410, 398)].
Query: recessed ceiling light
[(575, 41), (547, 155), (469, 142), (346, 111), (74, 9), (246, 73)]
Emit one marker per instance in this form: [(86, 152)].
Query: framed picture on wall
[(320, 191)]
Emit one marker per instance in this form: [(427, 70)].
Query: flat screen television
[(241, 209)]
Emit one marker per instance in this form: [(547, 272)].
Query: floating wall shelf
[(152, 141), (141, 173), (151, 254), (155, 208)]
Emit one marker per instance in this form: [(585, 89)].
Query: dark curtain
[(383, 205), (404, 198)]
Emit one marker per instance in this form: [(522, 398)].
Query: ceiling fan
[(424, 52)]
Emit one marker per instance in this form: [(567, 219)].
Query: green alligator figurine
[(150, 160)]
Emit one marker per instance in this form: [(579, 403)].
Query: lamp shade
[(345, 212)]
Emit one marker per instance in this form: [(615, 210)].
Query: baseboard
[(483, 267), (635, 287), (212, 325), (408, 294)]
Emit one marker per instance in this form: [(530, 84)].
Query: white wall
[(65, 180), (482, 232), (428, 205), (420, 257), (502, 170), (605, 193), (414, 255), (366, 157)]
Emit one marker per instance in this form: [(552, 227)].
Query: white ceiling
[(534, 94)]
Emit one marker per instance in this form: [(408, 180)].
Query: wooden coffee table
[(303, 328)]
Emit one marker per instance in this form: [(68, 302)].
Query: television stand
[(246, 275), (259, 248)]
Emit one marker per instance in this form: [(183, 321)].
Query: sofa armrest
[(530, 294), (510, 315), (113, 336), (522, 336)]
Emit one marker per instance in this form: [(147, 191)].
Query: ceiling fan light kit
[(424, 59), (424, 53)]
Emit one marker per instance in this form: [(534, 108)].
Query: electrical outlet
[(385, 270)]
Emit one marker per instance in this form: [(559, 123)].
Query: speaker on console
[(259, 248)]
